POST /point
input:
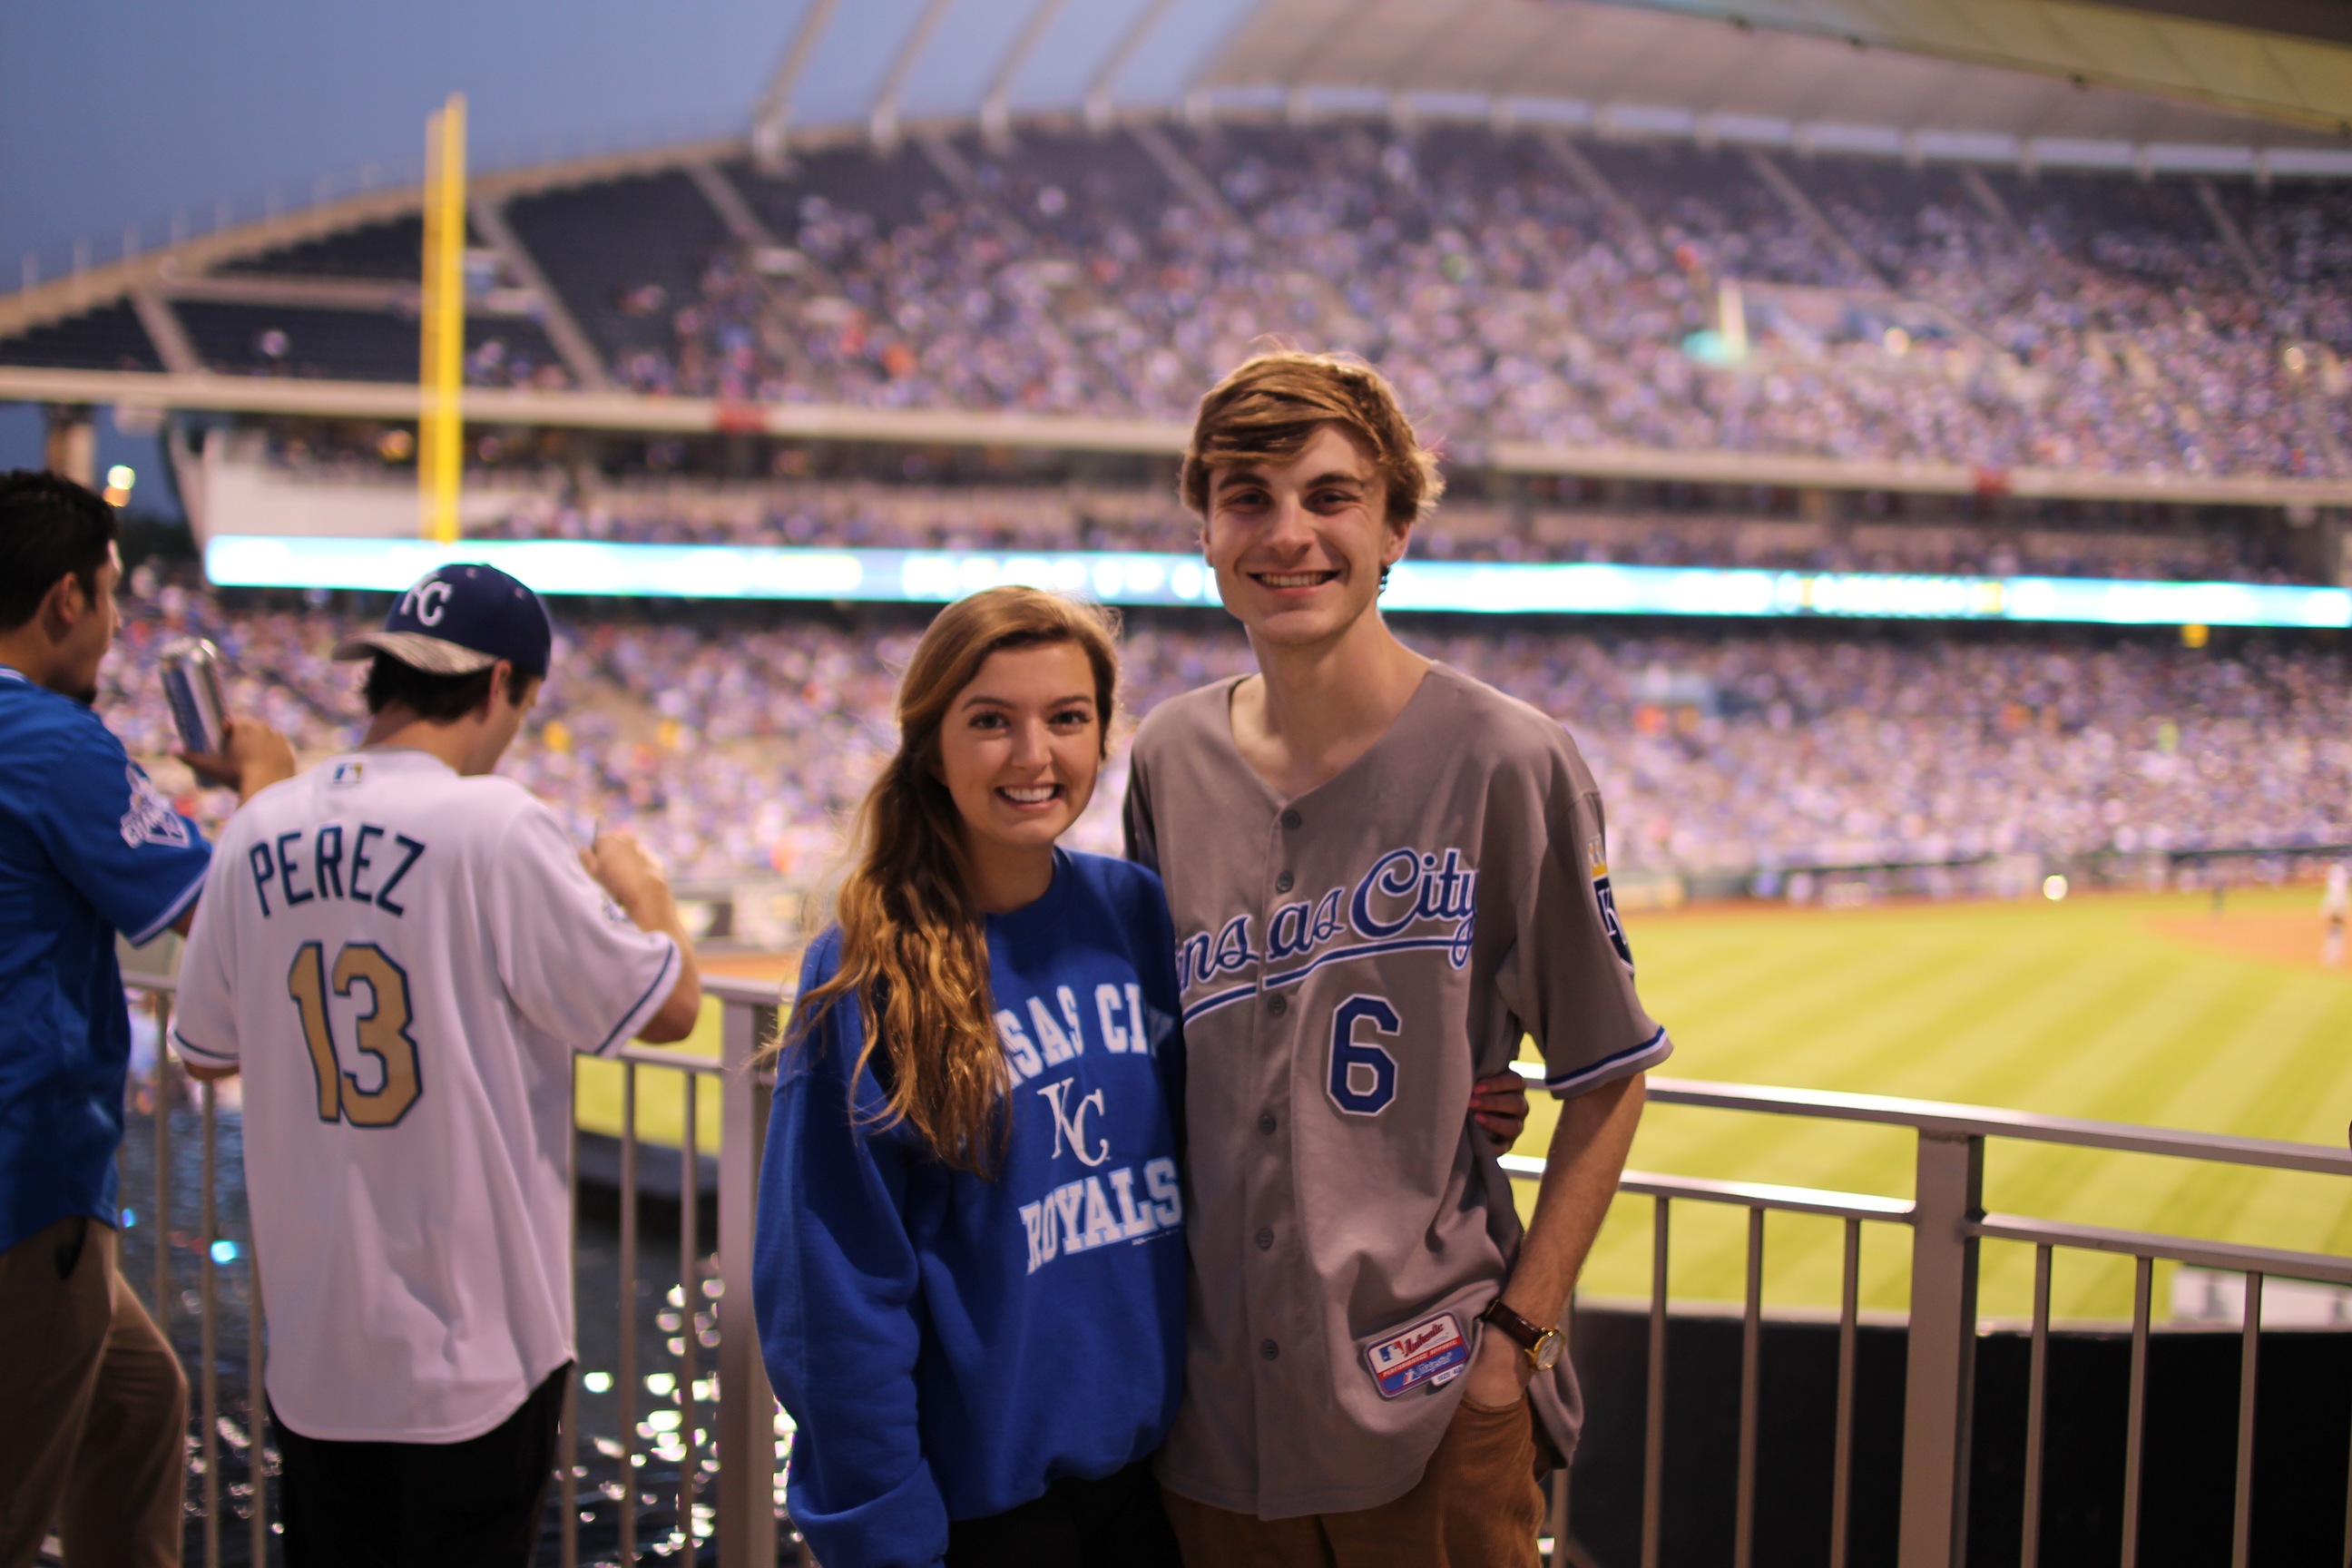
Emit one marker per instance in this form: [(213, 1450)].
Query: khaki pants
[(93, 1408), (1477, 1505)]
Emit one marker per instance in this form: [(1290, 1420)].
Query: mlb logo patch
[(346, 774), (1429, 1353)]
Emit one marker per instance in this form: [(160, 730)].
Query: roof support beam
[(1802, 208), (1098, 90), (884, 120), (2233, 238), (562, 328), (996, 104), (771, 120), (165, 331)]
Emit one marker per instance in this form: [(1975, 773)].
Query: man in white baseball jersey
[(401, 954), (1383, 875)]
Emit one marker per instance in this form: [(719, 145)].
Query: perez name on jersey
[(357, 862)]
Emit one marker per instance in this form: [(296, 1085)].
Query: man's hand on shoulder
[(252, 757)]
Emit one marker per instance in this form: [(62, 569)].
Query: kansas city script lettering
[(1402, 889)]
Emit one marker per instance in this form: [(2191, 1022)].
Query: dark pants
[(1114, 1522), (474, 1504)]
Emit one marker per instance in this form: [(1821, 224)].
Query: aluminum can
[(192, 684)]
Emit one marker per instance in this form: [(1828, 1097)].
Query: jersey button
[(1265, 1239), (1278, 1006), (1266, 1121), (1268, 1349), (1290, 819), (1282, 883)]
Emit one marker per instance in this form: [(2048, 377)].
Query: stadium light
[(569, 566)]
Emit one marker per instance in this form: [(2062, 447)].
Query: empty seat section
[(109, 338), (390, 251), (353, 345), (626, 255)]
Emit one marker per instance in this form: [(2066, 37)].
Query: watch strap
[(1522, 1333)]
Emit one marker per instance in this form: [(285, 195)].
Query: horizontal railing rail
[(723, 1433)]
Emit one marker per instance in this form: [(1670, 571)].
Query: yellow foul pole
[(440, 434)]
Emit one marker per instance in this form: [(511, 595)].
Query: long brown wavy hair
[(913, 948)]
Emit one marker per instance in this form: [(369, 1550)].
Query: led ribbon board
[(927, 576)]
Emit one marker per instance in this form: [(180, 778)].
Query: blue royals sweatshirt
[(948, 1346)]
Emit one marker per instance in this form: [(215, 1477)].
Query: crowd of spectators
[(2080, 322), (736, 743), (906, 517)]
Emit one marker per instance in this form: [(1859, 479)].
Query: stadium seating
[(107, 338), (1729, 756)]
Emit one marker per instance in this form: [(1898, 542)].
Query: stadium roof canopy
[(1982, 80)]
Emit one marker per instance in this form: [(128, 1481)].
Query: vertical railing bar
[(1751, 1387), (2143, 1275), (2241, 1537), (1654, 1435), (207, 1330), (2347, 1522), (744, 1432), (2037, 1410), (567, 1456), (1841, 1460), (626, 1374), (257, 1401), (163, 1260), (690, 1201)]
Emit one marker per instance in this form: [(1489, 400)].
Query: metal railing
[(1948, 1222), (1945, 1217)]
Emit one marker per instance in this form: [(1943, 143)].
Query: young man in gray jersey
[(1383, 873)]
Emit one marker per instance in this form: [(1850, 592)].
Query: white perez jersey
[(401, 962)]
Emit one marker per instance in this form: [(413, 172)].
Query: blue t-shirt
[(949, 1345), (87, 847)]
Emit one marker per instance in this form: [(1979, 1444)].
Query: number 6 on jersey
[(382, 1033), (1364, 1075)]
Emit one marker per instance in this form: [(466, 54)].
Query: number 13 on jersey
[(381, 1031)]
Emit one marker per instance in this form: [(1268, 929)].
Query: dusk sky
[(116, 114)]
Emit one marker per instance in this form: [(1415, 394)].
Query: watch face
[(1546, 1354)]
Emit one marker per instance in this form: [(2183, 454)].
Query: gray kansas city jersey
[(1351, 961)]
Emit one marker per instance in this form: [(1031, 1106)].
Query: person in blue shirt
[(971, 1263), (92, 1403)]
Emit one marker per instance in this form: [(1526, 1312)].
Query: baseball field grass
[(2136, 1009), (2145, 1009)]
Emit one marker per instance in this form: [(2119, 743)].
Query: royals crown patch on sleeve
[(1606, 898)]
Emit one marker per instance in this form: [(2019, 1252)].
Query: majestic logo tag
[(1428, 1355), (1608, 900), (150, 819)]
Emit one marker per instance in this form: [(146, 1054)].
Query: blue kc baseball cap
[(460, 618)]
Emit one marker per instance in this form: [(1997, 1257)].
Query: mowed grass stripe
[(2076, 1010)]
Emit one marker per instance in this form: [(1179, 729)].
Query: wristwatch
[(1542, 1346)]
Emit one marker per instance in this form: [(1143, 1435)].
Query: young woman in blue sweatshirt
[(970, 1262)]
